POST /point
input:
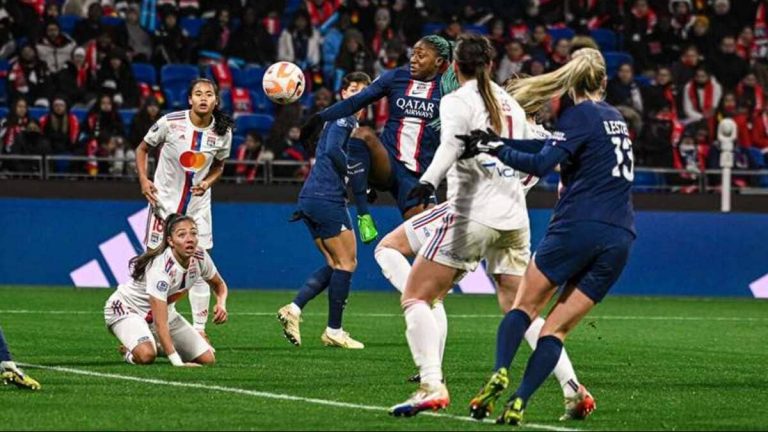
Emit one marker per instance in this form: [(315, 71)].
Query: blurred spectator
[(519, 30), (702, 38), (751, 94), (394, 56), (172, 44), (498, 37), (17, 121), (76, 81), (760, 130), (291, 149), (624, 93), (30, 142), (732, 109), (60, 127), (190, 8), (116, 79), (662, 94), (91, 27), (76, 7), (384, 32), (452, 31), (103, 119), (727, 66), (55, 48), (586, 15), (97, 50), (535, 66), (251, 150), (147, 116), (216, 32), (761, 28), (561, 54), (321, 10), (682, 23), (684, 69), (29, 78), (323, 99), (300, 42), (407, 20), (361, 16), (540, 44), (640, 34), (251, 42), (7, 41), (139, 41), (513, 61), (746, 47), (701, 96), (722, 21), (354, 55)]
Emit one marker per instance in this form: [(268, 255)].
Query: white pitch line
[(397, 315), (267, 395)]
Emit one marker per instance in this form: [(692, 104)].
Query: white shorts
[(156, 225), (420, 228), (132, 329), (462, 243)]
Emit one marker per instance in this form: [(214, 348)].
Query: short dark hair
[(352, 77)]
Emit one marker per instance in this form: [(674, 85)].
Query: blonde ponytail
[(584, 74)]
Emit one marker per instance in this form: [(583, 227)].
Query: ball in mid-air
[(283, 83)]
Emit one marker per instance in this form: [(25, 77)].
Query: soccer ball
[(283, 83)]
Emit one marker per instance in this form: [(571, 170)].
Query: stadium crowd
[(89, 77)]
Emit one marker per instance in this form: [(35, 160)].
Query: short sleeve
[(158, 281), (156, 134), (226, 149), (207, 268), (572, 130)]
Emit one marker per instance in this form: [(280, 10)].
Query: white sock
[(564, 372), (394, 266), (295, 308), (334, 332), (199, 300), (8, 365), (438, 311), (422, 335)]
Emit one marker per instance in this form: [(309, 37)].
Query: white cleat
[(580, 406), (425, 398), (290, 322), (342, 341)]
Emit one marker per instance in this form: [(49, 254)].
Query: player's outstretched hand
[(220, 314), (479, 141), (148, 189), (311, 128), (423, 192), (367, 228)]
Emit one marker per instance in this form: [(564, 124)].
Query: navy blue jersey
[(413, 104), (597, 176), (327, 180)]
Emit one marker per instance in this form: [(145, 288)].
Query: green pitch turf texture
[(651, 363)]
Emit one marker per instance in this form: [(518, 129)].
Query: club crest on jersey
[(192, 161), (162, 286), (211, 141)]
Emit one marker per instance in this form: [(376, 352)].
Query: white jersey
[(481, 188), (165, 279), (185, 159)]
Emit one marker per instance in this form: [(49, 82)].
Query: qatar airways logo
[(417, 108)]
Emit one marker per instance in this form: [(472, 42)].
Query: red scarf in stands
[(12, 131), (669, 95), (759, 95), (761, 25), (746, 52), (319, 15), (37, 5), (82, 75), (519, 31), (709, 92), (650, 19), (379, 38)]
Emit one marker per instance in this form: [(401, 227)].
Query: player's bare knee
[(346, 264), (207, 359), (144, 354)]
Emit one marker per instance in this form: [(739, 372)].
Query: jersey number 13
[(625, 160)]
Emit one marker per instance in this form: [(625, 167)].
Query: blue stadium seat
[(68, 22), (606, 39), (251, 77), (237, 141), (647, 181), (642, 80), (307, 100), (614, 59), (3, 112), (112, 21), (561, 33), (292, 6), (176, 96), (127, 116), (432, 28), (178, 73), (3, 91), (226, 100), (192, 26), (237, 77), (145, 73), (80, 113), (261, 103), (476, 28), (37, 112), (261, 123)]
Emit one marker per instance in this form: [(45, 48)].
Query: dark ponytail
[(138, 264), (474, 53), (222, 122)]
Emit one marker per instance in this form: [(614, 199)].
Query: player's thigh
[(133, 331), (428, 280), (343, 249), (190, 345), (506, 290), (571, 307), (203, 219), (381, 171), (534, 291)]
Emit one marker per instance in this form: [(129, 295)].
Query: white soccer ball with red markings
[(283, 83)]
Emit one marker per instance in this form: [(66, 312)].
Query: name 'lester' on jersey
[(597, 177), (413, 104), (184, 160)]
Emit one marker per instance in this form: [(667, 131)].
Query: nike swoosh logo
[(357, 165)]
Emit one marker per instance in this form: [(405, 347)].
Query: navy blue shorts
[(588, 255), (401, 183), (325, 219)]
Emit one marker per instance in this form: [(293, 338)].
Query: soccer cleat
[(579, 406), (17, 378), (415, 378), (425, 398), (513, 412), (481, 406), (343, 341), (290, 322)]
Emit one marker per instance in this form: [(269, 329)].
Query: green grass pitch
[(651, 363)]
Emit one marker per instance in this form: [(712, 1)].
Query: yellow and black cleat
[(481, 406), (19, 380), (513, 412)]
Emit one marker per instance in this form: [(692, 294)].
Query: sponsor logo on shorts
[(455, 257), (427, 232), (143, 339), (162, 286), (154, 238)]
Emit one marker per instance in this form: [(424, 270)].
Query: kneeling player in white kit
[(194, 144), (142, 310)]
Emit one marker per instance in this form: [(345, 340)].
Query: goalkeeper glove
[(367, 228)]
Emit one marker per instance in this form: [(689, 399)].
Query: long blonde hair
[(474, 53), (585, 74)]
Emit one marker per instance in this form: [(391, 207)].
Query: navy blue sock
[(314, 285), (338, 291), (540, 365), (5, 355), (511, 331)]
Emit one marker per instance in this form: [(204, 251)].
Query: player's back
[(326, 181), (597, 177)]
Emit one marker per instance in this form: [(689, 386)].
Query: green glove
[(367, 228)]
